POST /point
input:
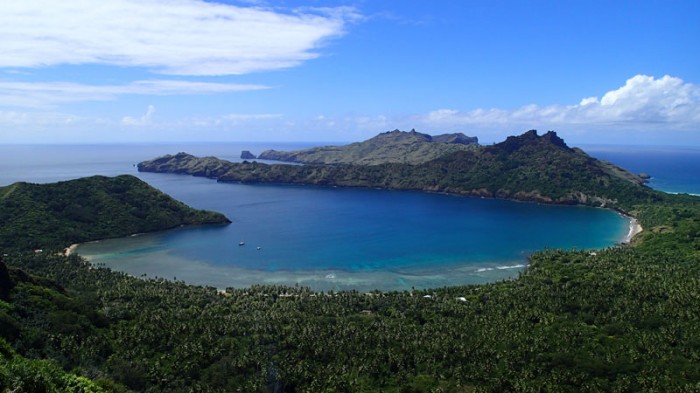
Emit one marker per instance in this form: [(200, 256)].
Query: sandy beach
[(635, 228), (70, 249)]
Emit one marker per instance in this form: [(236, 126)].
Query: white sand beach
[(635, 228), (70, 249)]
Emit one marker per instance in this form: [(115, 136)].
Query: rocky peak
[(530, 138)]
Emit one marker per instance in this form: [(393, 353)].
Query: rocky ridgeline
[(406, 147)]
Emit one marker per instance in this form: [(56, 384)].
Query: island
[(619, 319)]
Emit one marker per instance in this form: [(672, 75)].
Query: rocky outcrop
[(247, 155)]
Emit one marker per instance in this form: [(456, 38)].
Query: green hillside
[(620, 320), (36, 216)]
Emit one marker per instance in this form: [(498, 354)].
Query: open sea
[(336, 238)]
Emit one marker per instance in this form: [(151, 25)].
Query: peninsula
[(529, 167), (38, 216)]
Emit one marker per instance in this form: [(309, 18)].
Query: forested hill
[(526, 167), (389, 147), (55, 215)]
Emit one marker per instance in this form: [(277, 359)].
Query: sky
[(597, 72)]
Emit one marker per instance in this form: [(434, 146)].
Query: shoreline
[(317, 280), (70, 249), (635, 228)]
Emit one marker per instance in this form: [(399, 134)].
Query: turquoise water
[(325, 238)]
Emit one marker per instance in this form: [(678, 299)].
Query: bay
[(325, 238)]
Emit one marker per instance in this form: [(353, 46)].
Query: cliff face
[(389, 147), (526, 167)]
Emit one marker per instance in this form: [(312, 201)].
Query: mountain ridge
[(407, 147)]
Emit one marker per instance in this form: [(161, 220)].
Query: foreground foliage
[(625, 319)]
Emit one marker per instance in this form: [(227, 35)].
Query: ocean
[(335, 238), (673, 169)]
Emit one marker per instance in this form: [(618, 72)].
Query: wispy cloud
[(15, 118), (183, 37), (140, 121), (227, 120), (45, 94), (251, 116), (644, 101)]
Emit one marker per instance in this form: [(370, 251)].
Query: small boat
[(241, 243), (259, 248)]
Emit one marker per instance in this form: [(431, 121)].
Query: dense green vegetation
[(36, 216), (624, 319), (527, 167)]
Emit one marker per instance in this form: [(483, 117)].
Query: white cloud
[(13, 118), (644, 102), (224, 121), (140, 121), (43, 94), (179, 37), (251, 116)]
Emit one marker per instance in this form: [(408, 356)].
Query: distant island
[(528, 167), (247, 155)]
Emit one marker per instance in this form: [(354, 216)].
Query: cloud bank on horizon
[(644, 101), (156, 70)]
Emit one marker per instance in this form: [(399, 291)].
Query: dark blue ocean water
[(332, 238), (672, 169)]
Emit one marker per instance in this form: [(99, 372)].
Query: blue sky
[(597, 72)]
